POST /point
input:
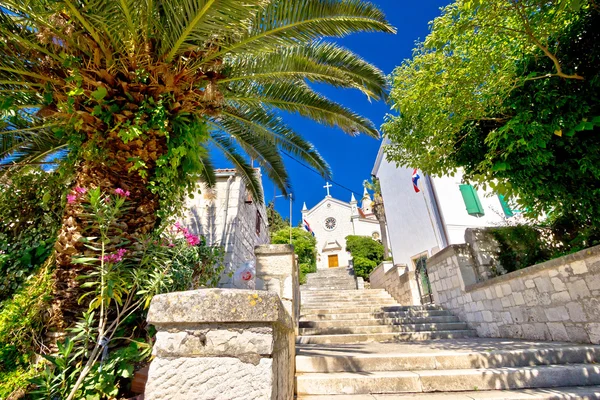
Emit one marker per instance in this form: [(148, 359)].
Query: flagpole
[(428, 211)]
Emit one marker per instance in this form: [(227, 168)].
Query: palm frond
[(299, 98), (207, 175), (318, 62), (271, 128), (285, 22), (248, 173)]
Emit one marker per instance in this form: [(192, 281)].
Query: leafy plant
[(366, 253), (123, 276), (304, 247), (30, 210)]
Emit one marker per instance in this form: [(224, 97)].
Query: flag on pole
[(307, 227), (415, 181)]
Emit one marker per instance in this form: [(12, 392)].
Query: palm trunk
[(139, 220)]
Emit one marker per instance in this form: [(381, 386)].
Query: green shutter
[(471, 200), (505, 207)]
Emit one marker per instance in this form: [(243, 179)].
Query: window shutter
[(505, 207), (471, 200)]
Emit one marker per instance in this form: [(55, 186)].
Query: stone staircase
[(340, 278), (362, 345)]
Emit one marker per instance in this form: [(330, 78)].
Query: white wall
[(224, 218), (415, 223), (455, 213)]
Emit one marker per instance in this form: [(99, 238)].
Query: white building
[(332, 220), (227, 215), (420, 224)]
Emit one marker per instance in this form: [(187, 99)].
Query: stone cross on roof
[(327, 186)]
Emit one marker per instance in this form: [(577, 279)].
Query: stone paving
[(361, 345)]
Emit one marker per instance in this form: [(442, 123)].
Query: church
[(331, 220)]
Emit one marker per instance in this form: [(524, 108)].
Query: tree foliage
[(276, 222), (305, 247), (507, 91), (366, 253), (144, 78)]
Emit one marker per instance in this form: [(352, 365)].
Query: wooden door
[(333, 261)]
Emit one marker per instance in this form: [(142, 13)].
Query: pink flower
[(80, 190), (192, 240), (171, 244), (71, 198), (122, 193), (115, 257)]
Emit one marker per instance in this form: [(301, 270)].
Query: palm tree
[(134, 93), (379, 211)]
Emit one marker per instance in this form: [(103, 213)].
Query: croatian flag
[(415, 181), (307, 227)]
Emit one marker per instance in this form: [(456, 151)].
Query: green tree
[(507, 91), (379, 211), (305, 247), (276, 222), (366, 254), (136, 92)]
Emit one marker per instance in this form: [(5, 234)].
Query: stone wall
[(225, 215), (221, 344), (556, 300), (277, 271), (398, 281)]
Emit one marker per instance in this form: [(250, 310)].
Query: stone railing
[(554, 300), (398, 281), (229, 344)]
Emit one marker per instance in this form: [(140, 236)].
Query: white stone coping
[(209, 306)]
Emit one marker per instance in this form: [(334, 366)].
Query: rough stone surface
[(398, 281), (549, 301), (209, 378), (221, 344)]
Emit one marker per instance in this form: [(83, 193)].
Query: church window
[(375, 235), (330, 223)]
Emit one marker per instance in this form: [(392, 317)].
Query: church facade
[(331, 220)]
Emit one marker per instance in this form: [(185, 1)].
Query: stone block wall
[(277, 271), (555, 300), (398, 281), (221, 344)]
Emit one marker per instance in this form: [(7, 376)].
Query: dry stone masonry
[(555, 300)]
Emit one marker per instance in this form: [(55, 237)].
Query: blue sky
[(352, 158)]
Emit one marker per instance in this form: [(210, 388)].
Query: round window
[(330, 223), (375, 235)]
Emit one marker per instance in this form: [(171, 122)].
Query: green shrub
[(304, 247), (20, 326), (30, 215), (366, 252), (363, 266)]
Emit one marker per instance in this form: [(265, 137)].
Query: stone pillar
[(277, 272), (228, 344)]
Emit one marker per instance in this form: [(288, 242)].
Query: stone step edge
[(571, 393), (384, 337), (397, 328), (380, 321), (560, 355), (429, 381), (376, 315)]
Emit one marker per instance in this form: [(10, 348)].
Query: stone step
[(364, 291), (347, 294), (371, 309), (370, 315), (412, 357), (447, 380), (459, 326), (346, 304), (377, 321), (563, 393), (384, 337), (330, 286)]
